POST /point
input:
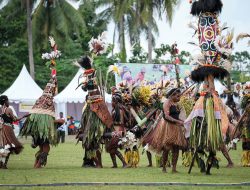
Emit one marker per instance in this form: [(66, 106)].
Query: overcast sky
[(236, 13)]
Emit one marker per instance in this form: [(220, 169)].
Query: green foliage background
[(14, 47), (73, 29)]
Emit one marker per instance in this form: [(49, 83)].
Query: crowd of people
[(163, 119)]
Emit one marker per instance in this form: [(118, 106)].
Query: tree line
[(25, 26)]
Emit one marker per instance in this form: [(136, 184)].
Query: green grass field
[(65, 160)]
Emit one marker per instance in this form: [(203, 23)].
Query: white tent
[(23, 92), (219, 87), (70, 101), (70, 94), (24, 88)]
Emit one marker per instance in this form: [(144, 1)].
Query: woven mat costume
[(208, 118), (41, 123)]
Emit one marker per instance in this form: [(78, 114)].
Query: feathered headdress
[(85, 62), (224, 43), (202, 6), (54, 54), (113, 69), (141, 95), (98, 46)]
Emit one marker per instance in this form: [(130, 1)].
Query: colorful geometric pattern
[(208, 30), (45, 102)]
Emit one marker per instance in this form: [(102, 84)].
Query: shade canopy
[(72, 95), (24, 88), (219, 87)]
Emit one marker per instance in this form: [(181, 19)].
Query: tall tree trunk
[(30, 41), (114, 34), (150, 35), (121, 29), (136, 37)]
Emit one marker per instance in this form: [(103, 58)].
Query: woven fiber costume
[(41, 123), (8, 141), (244, 126), (208, 117), (119, 118), (142, 108), (244, 122), (95, 117), (167, 133)]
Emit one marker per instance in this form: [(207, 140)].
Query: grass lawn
[(65, 160)]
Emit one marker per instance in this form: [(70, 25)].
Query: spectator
[(71, 126), (61, 128)]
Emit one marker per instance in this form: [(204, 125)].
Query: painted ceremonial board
[(152, 73)]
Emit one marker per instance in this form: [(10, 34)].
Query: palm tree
[(59, 19), (159, 7), (119, 11), (29, 4), (19, 6), (50, 17)]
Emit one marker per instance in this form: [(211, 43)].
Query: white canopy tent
[(24, 88), (219, 87), (71, 100), (23, 92)]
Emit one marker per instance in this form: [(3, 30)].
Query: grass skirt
[(245, 159), (207, 123), (132, 158), (41, 127), (7, 137), (164, 135), (92, 130)]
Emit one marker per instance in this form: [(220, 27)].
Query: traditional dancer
[(41, 123), (244, 127), (168, 134), (244, 122), (96, 118), (119, 118), (8, 141), (208, 118)]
